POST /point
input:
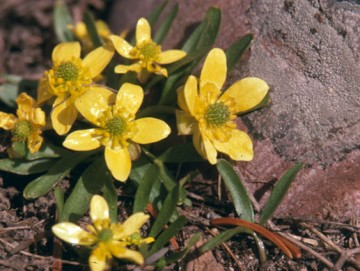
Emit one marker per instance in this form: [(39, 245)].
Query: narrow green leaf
[(57, 172), (61, 19), (25, 167), (139, 168), (91, 28), (166, 24), (9, 90), (166, 235), (155, 14), (218, 240), (110, 195), (237, 190), (236, 50), (59, 199), (279, 192), (168, 208), (178, 255), (145, 186), (47, 150), (89, 184), (166, 177), (182, 153)]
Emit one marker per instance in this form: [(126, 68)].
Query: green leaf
[(218, 240), (59, 199), (166, 24), (61, 19), (110, 195), (237, 190), (57, 172), (279, 192), (25, 167), (89, 184), (145, 186), (182, 153), (91, 28), (155, 14), (9, 90), (168, 208), (166, 235), (47, 150), (236, 50), (139, 168)]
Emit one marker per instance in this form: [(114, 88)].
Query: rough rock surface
[(308, 51)]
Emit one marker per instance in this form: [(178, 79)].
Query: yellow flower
[(68, 79), (118, 130), (209, 115), (27, 125), (106, 239), (147, 53)]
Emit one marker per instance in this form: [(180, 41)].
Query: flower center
[(105, 235), (22, 130), (135, 238), (68, 71), (217, 114), (116, 126), (150, 49)]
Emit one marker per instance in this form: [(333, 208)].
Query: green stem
[(155, 110)]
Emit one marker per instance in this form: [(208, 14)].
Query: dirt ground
[(26, 242)]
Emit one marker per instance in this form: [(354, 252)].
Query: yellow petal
[(130, 96), (246, 93), (191, 93), (181, 99), (39, 117), (125, 253), (73, 234), (136, 67), (239, 147), (123, 47), (134, 223), (7, 121), (25, 106), (143, 31), (150, 130), (98, 59), (185, 123), (119, 163), (198, 143), (82, 140), (35, 141), (169, 56), (99, 257), (63, 115), (214, 69), (43, 93), (65, 51), (94, 102), (99, 209)]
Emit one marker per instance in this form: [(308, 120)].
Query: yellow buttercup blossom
[(26, 126), (68, 79), (146, 53), (106, 239), (208, 114), (118, 130)]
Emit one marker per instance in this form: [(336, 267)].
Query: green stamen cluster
[(150, 50), (21, 130), (116, 126), (105, 235), (217, 114), (68, 71)]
